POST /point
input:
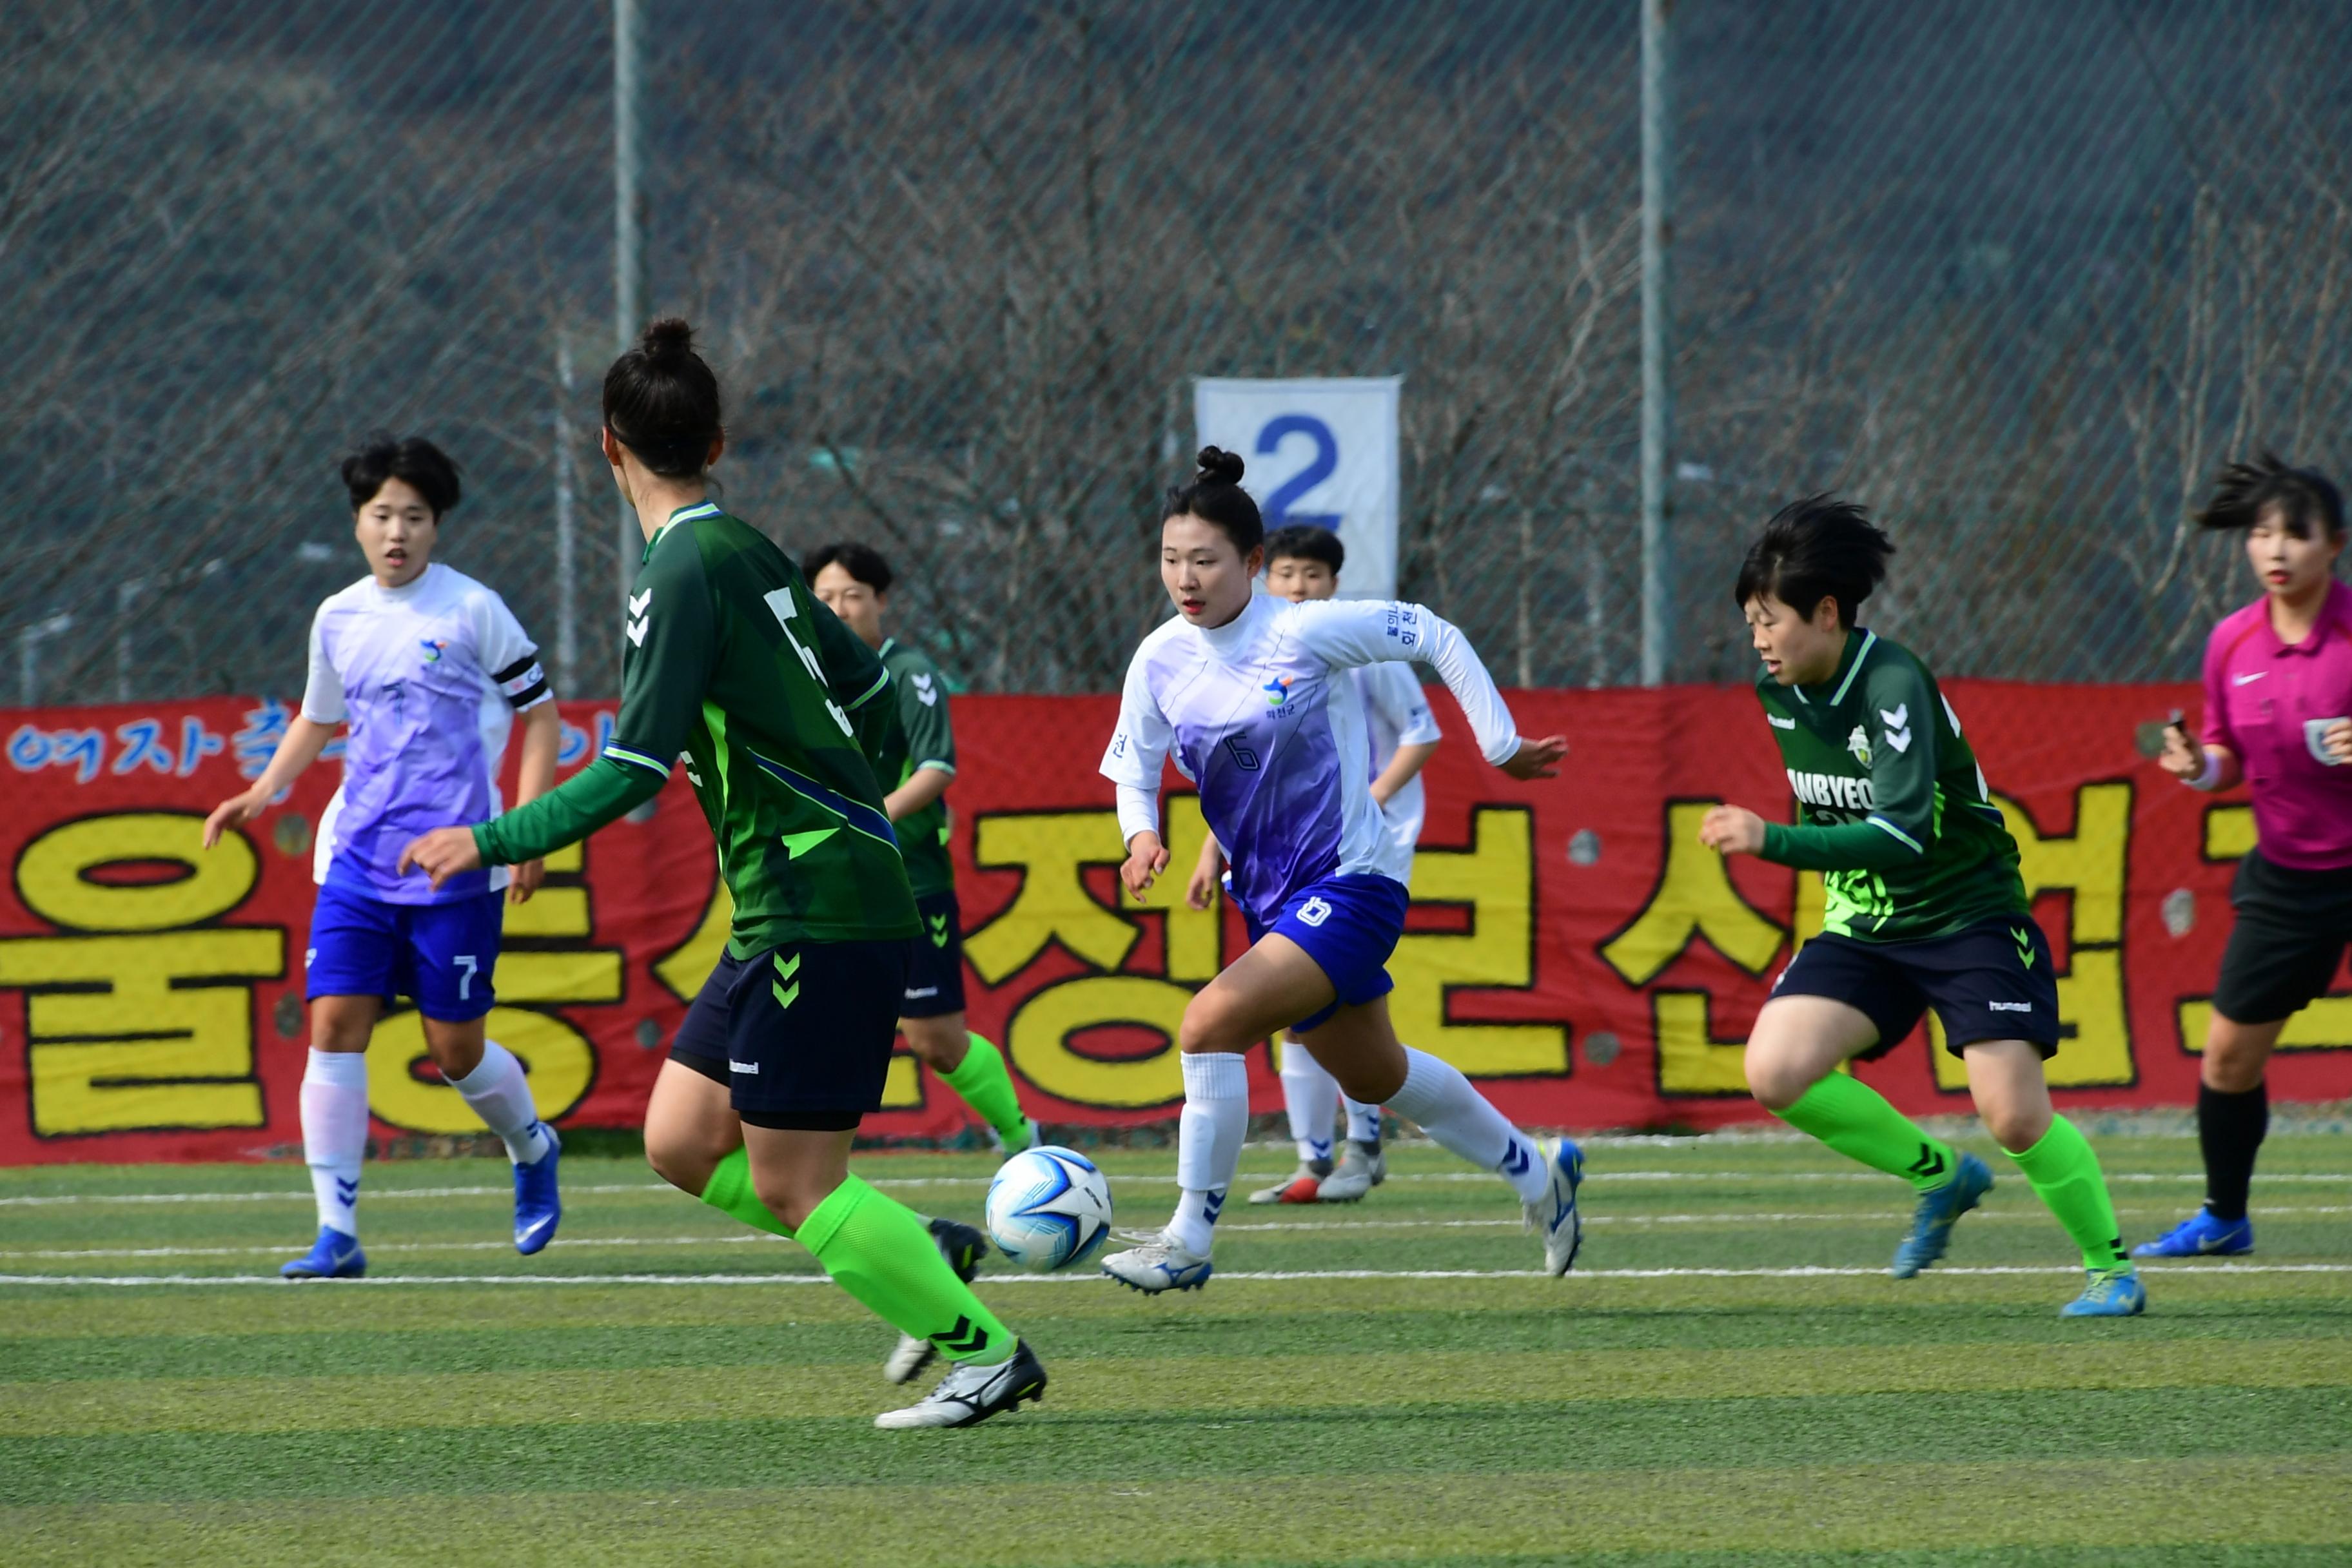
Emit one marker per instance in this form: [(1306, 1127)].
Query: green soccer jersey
[(1890, 803), (921, 739), (781, 716)]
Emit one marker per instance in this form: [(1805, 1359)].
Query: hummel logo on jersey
[(433, 648), (2024, 939), (1779, 724), (1898, 727), (749, 1069), (1314, 913), (924, 693), (916, 993), (786, 969), (640, 616), (1859, 744), (2010, 1007), (2249, 680), (939, 924)]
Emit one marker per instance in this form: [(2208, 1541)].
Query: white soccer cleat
[(1159, 1263), (967, 1395), (1036, 1136), (1301, 1186), (910, 1358), (1553, 1216), (1359, 1171)]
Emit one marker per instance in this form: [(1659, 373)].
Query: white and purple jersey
[(429, 676), (1278, 749), (1396, 714)]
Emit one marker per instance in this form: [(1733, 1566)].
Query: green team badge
[(939, 924), (2024, 946), (786, 968), (1859, 744)]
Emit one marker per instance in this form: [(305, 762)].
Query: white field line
[(2179, 1271), (1807, 1216), (377, 1196)]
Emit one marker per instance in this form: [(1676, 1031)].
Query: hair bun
[(668, 337), (1219, 467)]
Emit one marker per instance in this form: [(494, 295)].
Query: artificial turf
[(1727, 1378)]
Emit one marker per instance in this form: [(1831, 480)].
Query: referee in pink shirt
[(2278, 715)]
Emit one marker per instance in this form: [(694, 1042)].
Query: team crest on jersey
[(1277, 691), (433, 648), (1859, 744)]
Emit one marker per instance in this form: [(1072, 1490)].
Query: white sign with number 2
[(1321, 451)]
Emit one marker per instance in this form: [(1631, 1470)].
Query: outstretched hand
[(1732, 830), (1534, 758), (442, 854), (235, 812), (1146, 858)]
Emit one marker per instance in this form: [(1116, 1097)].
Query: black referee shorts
[(2287, 942), (801, 1034)]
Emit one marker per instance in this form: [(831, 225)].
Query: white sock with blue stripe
[(500, 1095), (1459, 1118), (335, 1133), (1363, 1121), (1208, 1142), (1309, 1094)]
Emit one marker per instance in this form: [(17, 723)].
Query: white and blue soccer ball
[(1049, 1207)]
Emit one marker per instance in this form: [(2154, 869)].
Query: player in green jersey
[(854, 580), (1925, 906), (775, 710)]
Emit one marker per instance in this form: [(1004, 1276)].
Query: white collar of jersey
[(1229, 641), (406, 590)]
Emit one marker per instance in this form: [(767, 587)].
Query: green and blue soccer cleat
[(1939, 1209), (2112, 1293), (2201, 1236)]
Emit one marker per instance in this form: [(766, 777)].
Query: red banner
[(1571, 944)]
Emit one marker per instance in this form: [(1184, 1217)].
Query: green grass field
[(1727, 1378)]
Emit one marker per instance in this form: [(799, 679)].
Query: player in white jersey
[(1237, 690), (1303, 563), (428, 668)]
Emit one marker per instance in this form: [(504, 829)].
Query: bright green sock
[(983, 1084), (881, 1252), (730, 1193), (1855, 1119), (2065, 1176)]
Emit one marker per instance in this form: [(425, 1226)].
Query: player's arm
[(542, 738), (2215, 764), (1133, 761), (1902, 787), (1344, 633), (661, 694), (520, 681), (1205, 873), (1398, 695), (306, 736), (930, 746)]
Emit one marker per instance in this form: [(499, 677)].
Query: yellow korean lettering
[(1051, 850), (1496, 877), (557, 1059), (1694, 900), (1193, 935), (1044, 1034)]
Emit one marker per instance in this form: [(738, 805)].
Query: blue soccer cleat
[(1939, 1209), (2112, 1293), (2201, 1236), (1554, 1216), (333, 1256), (538, 1205)]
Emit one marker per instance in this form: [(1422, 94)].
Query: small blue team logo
[(432, 646), (1277, 691)]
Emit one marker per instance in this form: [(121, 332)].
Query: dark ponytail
[(661, 401), (1215, 496)]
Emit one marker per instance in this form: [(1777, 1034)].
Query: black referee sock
[(2229, 1129)]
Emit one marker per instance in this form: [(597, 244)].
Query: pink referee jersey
[(2266, 702)]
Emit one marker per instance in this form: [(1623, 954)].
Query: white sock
[(1449, 1109), (1308, 1093), (335, 1133), (500, 1095), (1208, 1142), (1363, 1121)]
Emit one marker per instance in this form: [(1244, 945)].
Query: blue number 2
[(1326, 462)]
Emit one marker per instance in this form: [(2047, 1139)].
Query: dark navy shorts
[(439, 954), (2287, 942), (1992, 981), (935, 960), (800, 1035), (1348, 926)]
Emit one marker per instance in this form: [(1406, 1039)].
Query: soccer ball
[(1049, 1207)]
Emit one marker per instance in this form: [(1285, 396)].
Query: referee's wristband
[(2210, 778)]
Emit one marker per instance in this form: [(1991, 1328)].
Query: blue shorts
[(439, 954), (1348, 926)]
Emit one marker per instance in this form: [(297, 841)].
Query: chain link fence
[(2016, 273)]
